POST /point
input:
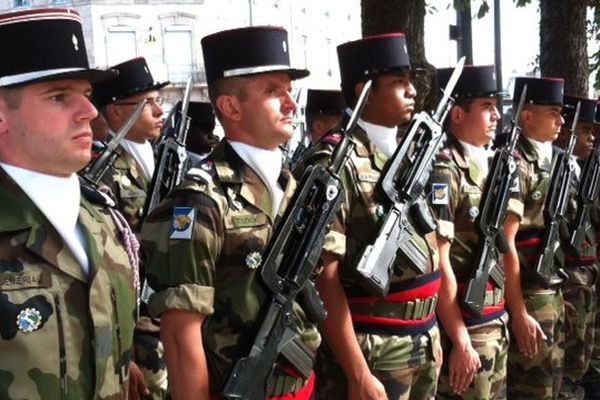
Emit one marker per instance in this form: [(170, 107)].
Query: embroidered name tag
[(21, 280), (183, 222), (368, 177), (243, 221), (471, 189)]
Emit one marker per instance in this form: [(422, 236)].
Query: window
[(120, 44), (22, 3), (178, 52)]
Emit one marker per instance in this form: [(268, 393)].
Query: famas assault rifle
[(490, 221), (546, 270), (288, 264), (171, 155), (402, 181)]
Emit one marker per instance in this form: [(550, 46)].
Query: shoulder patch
[(439, 193), (96, 195), (182, 224)]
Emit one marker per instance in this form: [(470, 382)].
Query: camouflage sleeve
[(181, 240), (444, 186)]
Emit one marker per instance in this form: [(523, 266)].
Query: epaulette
[(444, 155), (95, 195), (204, 173)]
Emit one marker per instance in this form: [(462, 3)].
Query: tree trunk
[(563, 43), (408, 16)]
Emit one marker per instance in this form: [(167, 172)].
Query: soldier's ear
[(457, 114), (358, 88), (229, 107), (3, 115)]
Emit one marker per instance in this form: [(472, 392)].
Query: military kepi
[(587, 112), (361, 59), (475, 81), (134, 77), (202, 114), (44, 44), (542, 91), (248, 51), (326, 102)]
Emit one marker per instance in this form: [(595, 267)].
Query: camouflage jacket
[(456, 187), (129, 187), (534, 186), (63, 335), (357, 225), (203, 248)]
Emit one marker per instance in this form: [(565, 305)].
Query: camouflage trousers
[(149, 356), (491, 341), (412, 379), (591, 379), (539, 377), (581, 300)]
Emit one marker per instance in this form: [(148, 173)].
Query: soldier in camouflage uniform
[(129, 181), (579, 291), (324, 111), (591, 379), (377, 347), (475, 347), (67, 286), (536, 353), (205, 241)]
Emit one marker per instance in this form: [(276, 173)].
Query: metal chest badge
[(473, 212), (253, 260), (29, 320)]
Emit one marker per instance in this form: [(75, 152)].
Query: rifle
[(293, 157), (288, 263), (172, 155), (401, 183), (96, 170), (490, 220), (544, 270), (587, 192)]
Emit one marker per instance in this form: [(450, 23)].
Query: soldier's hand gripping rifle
[(109, 155), (171, 155), (546, 270), (402, 181), (587, 192), (287, 266), (490, 221)]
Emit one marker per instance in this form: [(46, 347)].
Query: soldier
[(130, 176), (579, 291), (324, 110), (536, 355), (377, 348), (200, 139), (129, 182), (204, 242), (475, 348), (67, 294)]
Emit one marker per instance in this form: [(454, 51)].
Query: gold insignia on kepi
[(253, 260), (29, 320)]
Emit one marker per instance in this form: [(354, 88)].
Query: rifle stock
[(402, 181), (490, 221), (287, 266)]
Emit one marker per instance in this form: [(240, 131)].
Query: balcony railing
[(180, 73)]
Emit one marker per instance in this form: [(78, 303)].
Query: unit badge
[(183, 221), (439, 193), (29, 320), (253, 260), (473, 212)]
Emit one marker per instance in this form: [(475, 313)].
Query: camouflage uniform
[(129, 187), (540, 376), (204, 247), (581, 300), (397, 333), (457, 186), (63, 335)]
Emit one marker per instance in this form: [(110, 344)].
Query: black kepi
[(248, 51), (587, 113), (326, 102), (202, 115), (543, 91), (44, 44), (475, 81), (134, 77)]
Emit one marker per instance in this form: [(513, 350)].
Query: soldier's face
[(266, 117), (585, 139), (48, 131), (391, 101), (149, 124), (479, 122), (542, 123)]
